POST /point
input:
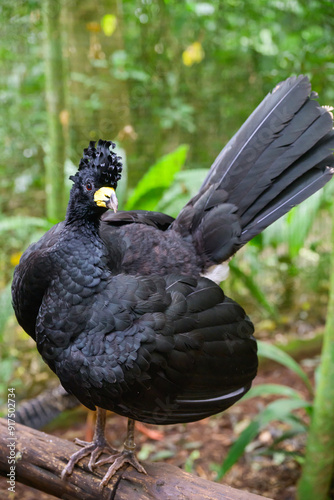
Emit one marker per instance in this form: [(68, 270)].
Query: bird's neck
[(84, 228), (80, 243), (80, 214), (86, 222)]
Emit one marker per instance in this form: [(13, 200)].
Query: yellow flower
[(193, 54), (15, 258)]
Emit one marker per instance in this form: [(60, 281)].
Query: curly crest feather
[(106, 162)]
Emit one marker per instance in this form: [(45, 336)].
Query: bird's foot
[(94, 449), (117, 461)]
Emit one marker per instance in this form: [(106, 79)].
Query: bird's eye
[(89, 186)]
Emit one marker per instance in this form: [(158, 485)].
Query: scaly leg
[(127, 456), (98, 446)]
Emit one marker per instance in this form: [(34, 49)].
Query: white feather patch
[(217, 273)]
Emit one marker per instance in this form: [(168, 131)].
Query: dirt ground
[(198, 447)]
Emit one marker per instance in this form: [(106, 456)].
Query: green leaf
[(296, 429), (288, 230), (6, 309), (186, 184), (271, 390), (189, 464), (297, 232), (123, 185), (238, 447), (278, 410), (281, 409), (17, 222), (254, 289), (158, 178), (109, 23), (162, 455), (272, 352), (7, 367)]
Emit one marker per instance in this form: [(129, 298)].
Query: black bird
[(124, 307)]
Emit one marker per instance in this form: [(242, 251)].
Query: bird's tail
[(280, 156)]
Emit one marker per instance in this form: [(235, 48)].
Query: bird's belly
[(166, 409)]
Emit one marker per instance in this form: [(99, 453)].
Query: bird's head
[(95, 182)]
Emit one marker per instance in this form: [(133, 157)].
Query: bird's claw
[(117, 461), (94, 449)]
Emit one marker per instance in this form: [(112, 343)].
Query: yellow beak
[(106, 197)]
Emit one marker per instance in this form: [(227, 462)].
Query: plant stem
[(319, 461)]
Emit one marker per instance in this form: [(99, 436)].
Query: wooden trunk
[(40, 459)]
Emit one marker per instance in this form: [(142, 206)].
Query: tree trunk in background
[(99, 104), (57, 116), (319, 461)]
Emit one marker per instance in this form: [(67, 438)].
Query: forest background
[(169, 82)]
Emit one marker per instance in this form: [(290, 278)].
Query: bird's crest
[(106, 162)]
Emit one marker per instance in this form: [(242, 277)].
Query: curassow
[(124, 307)]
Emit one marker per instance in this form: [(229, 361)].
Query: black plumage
[(121, 305)]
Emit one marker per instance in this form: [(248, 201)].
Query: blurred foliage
[(156, 180), (282, 410), (154, 74), (125, 66)]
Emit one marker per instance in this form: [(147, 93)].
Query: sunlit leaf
[(272, 352), (18, 222), (15, 258), (270, 390), (159, 177), (239, 446), (162, 455), (109, 23), (289, 229), (6, 309), (296, 427), (193, 54), (297, 232), (254, 288), (264, 43), (189, 464), (123, 185), (280, 409), (145, 451), (185, 185), (204, 9)]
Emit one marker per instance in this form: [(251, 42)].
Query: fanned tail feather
[(280, 156)]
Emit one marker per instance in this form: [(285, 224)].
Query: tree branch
[(40, 459)]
